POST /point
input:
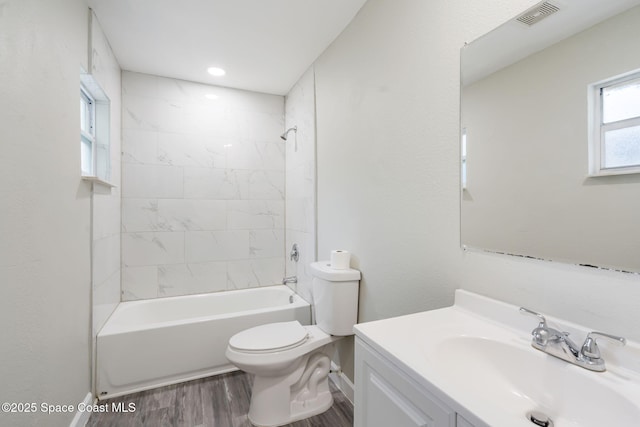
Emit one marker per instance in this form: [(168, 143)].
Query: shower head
[(284, 135)]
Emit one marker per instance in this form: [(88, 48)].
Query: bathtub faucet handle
[(294, 255)]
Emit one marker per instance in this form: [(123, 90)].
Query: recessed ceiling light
[(215, 71), (211, 96)]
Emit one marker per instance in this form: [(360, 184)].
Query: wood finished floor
[(219, 401)]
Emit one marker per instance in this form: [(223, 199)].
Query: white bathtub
[(152, 343)]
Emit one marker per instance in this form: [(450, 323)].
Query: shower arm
[(286, 133)]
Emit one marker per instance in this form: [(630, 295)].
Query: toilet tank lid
[(323, 270)]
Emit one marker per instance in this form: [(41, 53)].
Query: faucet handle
[(541, 333), (543, 321), (590, 348), (294, 255)]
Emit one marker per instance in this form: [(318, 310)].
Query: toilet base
[(275, 401), (309, 408), (299, 411)]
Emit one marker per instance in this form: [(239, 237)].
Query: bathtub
[(152, 343)]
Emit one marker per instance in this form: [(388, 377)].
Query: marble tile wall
[(203, 188), (301, 181)]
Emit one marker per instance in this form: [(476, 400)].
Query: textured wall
[(202, 188), (387, 117), (387, 127), (45, 278)]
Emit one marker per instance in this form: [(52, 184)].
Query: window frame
[(597, 128), (99, 135), (88, 137)]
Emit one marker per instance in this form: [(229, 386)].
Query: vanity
[(473, 364)]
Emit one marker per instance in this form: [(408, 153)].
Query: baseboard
[(82, 417), (342, 382)]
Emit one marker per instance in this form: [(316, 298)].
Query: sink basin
[(477, 356), (513, 380)]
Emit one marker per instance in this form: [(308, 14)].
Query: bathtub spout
[(290, 279)]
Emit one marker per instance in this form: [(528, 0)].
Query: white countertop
[(476, 355)]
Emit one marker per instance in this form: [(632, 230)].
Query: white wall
[(202, 188), (45, 280), (388, 173), (301, 181)]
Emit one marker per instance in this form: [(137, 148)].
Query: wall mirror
[(527, 102)]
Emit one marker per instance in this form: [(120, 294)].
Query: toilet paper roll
[(340, 260)]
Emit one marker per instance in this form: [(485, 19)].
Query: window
[(95, 154), (87, 132), (615, 133)]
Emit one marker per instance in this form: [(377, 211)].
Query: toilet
[(291, 362)]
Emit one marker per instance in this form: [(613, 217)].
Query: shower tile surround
[(203, 188), (301, 182)]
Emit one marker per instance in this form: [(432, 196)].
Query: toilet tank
[(335, 298)]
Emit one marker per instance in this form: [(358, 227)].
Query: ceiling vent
[(537, 13)]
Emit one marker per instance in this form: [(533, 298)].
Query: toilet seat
[(269, 338)]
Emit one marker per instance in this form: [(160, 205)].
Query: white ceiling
[(264, 45)]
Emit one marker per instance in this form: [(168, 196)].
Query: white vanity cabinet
[(385, 396)]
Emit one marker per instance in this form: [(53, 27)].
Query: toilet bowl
[(291, 370), (291, 362)]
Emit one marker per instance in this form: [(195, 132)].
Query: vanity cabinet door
[(385, 396)]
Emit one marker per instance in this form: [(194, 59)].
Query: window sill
[(615, 171), (96, 180)]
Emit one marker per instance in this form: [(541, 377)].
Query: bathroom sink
[(516, 379), (477, 356)]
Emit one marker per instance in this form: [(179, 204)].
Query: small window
[(95, 154), (615, 133), (87, 133)]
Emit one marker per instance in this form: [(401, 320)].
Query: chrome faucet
[(558, 344), (290, 279)]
